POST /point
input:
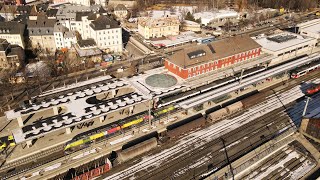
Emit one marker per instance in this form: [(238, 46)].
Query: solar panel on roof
[(196, 54), (282, 38)]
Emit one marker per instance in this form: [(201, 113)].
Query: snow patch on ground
[(85, 154), (199, 138), (302, 170), (280, 164)]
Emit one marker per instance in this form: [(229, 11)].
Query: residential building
[(95, 24), (19, 2), (13, 32), (8, 12), (191, 26), (158, 27), (127, 3), (107, 34), (286, 45), (68, 12), (79, 18), (11, 56), (38, 10), (88, 49), (310, 28), (52, 13), (201, 59), (40, 33), (63, 37), (23, 10), (120, 11)]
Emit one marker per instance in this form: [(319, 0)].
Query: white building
[(286, 45), (63, 37), (78, 18), (191, 26), (120, 11), (158, 27), (107, 34), (216, 16), (310, 28), (13, 32)]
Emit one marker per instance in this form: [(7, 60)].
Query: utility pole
[(240, 79), (306, 106), (225, 150), (149, 109)]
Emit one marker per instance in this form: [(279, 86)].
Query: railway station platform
[(104, 148), (60, 137)]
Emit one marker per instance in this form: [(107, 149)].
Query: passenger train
[(314, 89), (84, 139), (7, 141), (305, 69), (77, 143)]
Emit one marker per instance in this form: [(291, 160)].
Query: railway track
[(303, 78), (272, 116), (30, 162), (191, 142)]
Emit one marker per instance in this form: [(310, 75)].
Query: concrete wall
[(137, 150)]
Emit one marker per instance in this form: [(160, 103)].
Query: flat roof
[(314, 28), (272, 45), (308, 23), (176, 40), (81, 106)]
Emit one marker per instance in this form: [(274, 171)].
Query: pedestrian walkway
[(315, 153)]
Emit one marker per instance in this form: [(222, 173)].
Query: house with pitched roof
[(107, 34), (13, 32), (11, 56), (40, 33)]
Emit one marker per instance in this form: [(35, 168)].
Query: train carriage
[(303, 70)]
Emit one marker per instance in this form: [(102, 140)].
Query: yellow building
[(158, 27)]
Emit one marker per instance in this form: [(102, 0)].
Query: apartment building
[(63, 37), (158, 27), (40, 33), (13, 32)]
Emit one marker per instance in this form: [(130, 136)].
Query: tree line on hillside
[(301, 5)]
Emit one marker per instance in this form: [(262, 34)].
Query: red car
[(313, 89)]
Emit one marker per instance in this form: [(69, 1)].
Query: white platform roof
[(314, 28), (308, 23)]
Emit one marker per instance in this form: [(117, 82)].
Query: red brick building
[(201, 59)]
